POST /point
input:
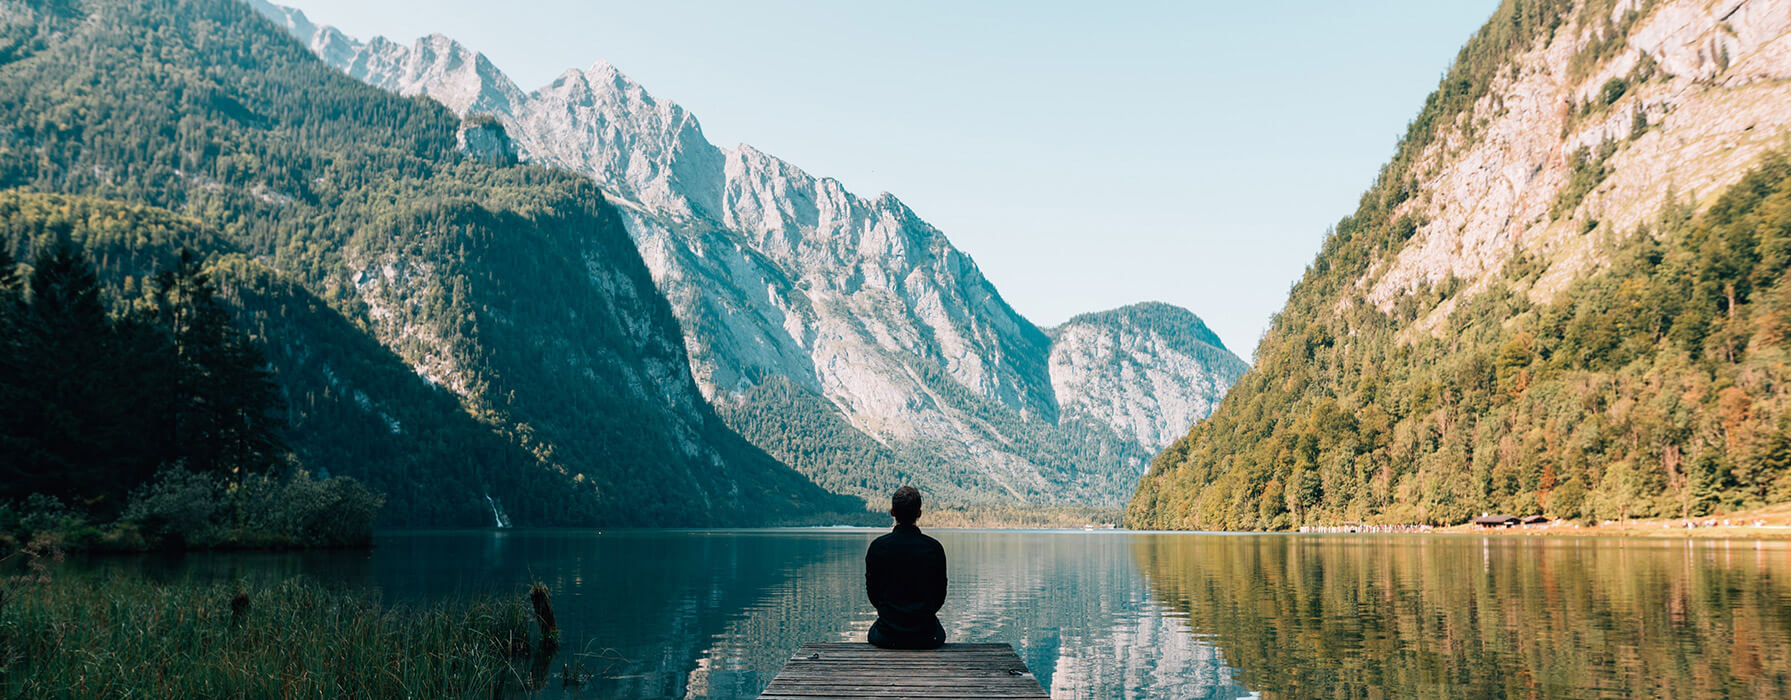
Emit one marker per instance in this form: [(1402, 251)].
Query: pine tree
[(11, 374), (64, 449), (1775, 462), (1705, 487), (229, 414), (89, 420)]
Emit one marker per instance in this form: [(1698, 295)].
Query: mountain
[(1148, 370), (1565, 293), (477, 338), (844, 335)]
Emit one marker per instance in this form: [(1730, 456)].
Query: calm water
[(1115, 614)]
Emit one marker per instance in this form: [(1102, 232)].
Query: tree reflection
[(1484, 617)]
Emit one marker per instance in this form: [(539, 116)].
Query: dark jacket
[(904, 576)]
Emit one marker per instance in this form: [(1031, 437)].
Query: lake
[(714, 613)]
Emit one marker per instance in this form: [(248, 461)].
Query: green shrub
[(1613, 90), (183, 509), (334, 512), (179, 507), (1589, 170)]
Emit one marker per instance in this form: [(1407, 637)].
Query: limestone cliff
[(843, 334), (1564, 294)]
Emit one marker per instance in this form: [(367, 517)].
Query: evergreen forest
[(472, 337), (1655, 386)]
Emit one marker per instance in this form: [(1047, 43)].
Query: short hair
[(904, 504)]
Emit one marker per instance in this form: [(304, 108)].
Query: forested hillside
[(140, 415), (843, 334), (442, 326), (1565, 294), (436, 451)]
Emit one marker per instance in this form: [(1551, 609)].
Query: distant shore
[(1771, 522), (1635, 528)]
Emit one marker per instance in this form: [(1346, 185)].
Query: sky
[(1087, 155)]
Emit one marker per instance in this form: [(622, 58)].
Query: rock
[(857, 302), (482, 137), (1716, 103)]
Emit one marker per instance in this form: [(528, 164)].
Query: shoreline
[(1653, 530), (1766, 523), (1776, 532)]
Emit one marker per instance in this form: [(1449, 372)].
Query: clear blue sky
[(1087, 155)]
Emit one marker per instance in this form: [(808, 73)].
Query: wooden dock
[(857, 670)]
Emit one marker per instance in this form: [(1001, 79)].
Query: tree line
[(96, 402), (1653, 387), (442, 329), (133, 419)]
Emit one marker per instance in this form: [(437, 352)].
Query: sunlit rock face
[(1567, 143), (483, 138), (859, 305), (1718, 79), (1148, 370)]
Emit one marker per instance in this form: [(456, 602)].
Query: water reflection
[(714, 614), (1339, 616)]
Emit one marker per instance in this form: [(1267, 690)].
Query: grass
[(76, 637)]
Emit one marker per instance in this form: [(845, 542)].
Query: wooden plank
[(948, 648), (1003, 679), (864, 691), (1032, 693), (851, 692), (831, 672), (820, 670)]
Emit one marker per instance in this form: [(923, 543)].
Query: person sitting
[(904, 576)]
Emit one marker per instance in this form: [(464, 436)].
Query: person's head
[(904, 505)]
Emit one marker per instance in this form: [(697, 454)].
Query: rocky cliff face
[(483, 138), (1563, 294), (858, 310), (1683, 96), (1148, 370), (494, 326)]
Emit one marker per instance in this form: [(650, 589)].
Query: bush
[(1613, 90), (44, 516), (334, 512), (183, 509), (179, 507)]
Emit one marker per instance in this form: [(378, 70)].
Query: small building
[(1535, 520), (1495, 522)]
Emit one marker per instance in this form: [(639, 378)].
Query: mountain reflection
[(1072, 605), (715, 614), (1338, 616)]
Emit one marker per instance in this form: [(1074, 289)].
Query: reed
[(75, 637)]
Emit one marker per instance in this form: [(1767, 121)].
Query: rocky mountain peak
[(785, 282), (1552, 299), (1150, 369), (1687, 94)]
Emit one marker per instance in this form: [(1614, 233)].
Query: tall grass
[(75, 637)]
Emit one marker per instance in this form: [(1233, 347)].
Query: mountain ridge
[(1560, 295), (508, 309), (781, 277)]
